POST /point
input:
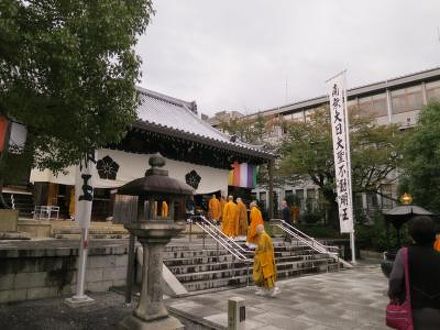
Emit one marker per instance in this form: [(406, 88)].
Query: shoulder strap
[(406, 267)]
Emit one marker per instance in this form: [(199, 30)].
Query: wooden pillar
[(270, 168)]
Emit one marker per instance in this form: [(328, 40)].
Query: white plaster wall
[(133, 166)]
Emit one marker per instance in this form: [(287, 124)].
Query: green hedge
[(369, 237)]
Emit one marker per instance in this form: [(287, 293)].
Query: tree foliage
[(421, 157), (307, 152), (247, 130), (68, 71)]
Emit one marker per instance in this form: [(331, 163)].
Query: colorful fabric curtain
[(243, 175)]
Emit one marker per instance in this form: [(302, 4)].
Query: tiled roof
[(172, 115)]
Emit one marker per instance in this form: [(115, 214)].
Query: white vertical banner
[(341, 150), (84, 185)]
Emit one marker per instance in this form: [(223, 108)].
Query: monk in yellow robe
[(242, 223), (264, 271), (256, 219), (164, 210), (437, 242), (222, 206), (229, 218), (214, 208)]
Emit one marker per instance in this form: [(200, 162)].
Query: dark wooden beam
[(270, 166)]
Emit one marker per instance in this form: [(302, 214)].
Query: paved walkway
[(352, 299)]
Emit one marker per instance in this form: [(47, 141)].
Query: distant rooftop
[(364, 90)]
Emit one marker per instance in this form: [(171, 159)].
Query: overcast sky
[(238, 54)]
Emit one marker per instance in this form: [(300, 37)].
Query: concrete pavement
[(352, 299)]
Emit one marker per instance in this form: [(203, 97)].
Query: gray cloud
[(238, 54)]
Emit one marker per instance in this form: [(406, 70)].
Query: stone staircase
[(201, 266)]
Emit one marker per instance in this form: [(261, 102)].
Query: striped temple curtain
[(243, 175)]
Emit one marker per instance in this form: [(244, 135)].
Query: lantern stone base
[(76, 301), (132, 322)]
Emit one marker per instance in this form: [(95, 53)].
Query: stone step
[(193, 247), (193, 254), (183, 266), (234, 272), (92, 236), (243, 280), (198, 260)]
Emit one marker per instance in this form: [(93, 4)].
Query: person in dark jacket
[(287, 216), (285, 212), (424, 275)]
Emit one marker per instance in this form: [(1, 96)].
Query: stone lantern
[(154, 228)]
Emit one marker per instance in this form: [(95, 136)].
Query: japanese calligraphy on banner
[(341, 150), (85, 174)]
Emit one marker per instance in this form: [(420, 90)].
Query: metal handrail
[(225, 244), (228, 244), (223, 235), (311, 242), (304, 235)]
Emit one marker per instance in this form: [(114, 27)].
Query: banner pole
[(353, 250), (83, 210), (349, 172), (82, 262)]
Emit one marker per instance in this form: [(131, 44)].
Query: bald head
[(231, 198), (238, 199), (253, 203), (260, 229)]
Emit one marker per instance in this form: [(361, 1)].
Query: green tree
[(307, 152), (68, 71), (247, 130), (421, 159)]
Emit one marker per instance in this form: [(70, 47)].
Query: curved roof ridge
[(164, 97)]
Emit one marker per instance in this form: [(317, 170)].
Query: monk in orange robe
[(222, 206), (437, 242), (256, 219), (264, 271), (229, 218), (164, 210), (214, 208), (242, 223)]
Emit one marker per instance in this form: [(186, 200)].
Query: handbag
[(399, 316)]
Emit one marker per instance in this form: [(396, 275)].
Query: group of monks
[(234, 218)]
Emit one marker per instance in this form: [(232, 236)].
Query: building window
[(372, 202), (375, 105), (407, 99), (300, 195), (312, 204), (433, 91), (387, 194), (263, 199)]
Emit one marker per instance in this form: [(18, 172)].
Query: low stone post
[(236, 313)]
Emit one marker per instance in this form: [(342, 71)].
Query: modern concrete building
[(395, 100)]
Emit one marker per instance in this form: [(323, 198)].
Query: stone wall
[(35, 273), (8, 220)]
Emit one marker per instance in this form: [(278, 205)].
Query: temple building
[(195, 153)]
